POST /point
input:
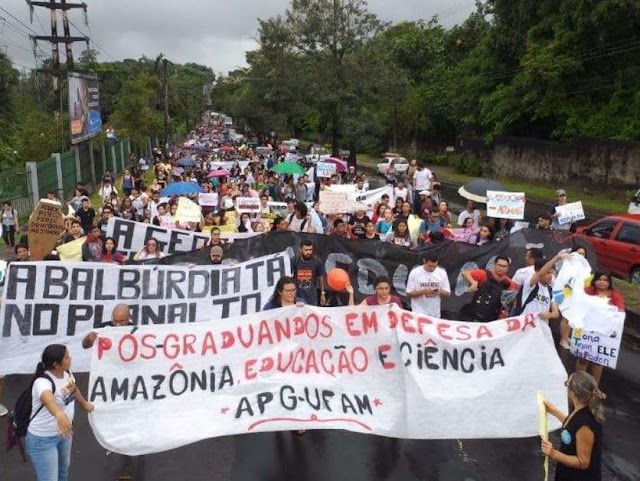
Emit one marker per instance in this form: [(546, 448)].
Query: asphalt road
[(340, 455)]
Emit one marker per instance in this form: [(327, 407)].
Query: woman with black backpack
[(53, 396)]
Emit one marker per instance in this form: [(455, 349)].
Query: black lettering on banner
[(120, 390), (275, 270), (230, 282), (152, 277), (98, 389), (197, 277), (178, 313), (174, 279), (100, 284), (264, 398), (256, 305), (226, 305), (81, 280), (288, 398), (215, 282), (128, 281), (39, 319), (176, 240), (254, 267), (55, 285), (83, 313), (139, 389), (23, 319), (123, 234), (244, 406), (21, 274)]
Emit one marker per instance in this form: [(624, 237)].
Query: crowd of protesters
[(415, 214)]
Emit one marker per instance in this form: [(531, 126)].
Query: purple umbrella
[(341, 166)]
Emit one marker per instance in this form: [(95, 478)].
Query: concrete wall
[(589, 162)]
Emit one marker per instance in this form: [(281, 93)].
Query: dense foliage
[(550, 69), (131, 96)]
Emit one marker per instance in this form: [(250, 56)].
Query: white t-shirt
[(44, 424), (402, 193), (523, 275), (475, 215), (419, 278), (422, 179), (540, 303)]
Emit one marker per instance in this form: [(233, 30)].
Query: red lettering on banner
[(513, 324), (209, 344), (422, 322), (369, 323), (463, 332), (246, 343), (483, 331), (406, 323), (343, 363), (382, 355), (349, 320), (134, 343), (324, 354), (393, 319), (228, 339), (104, 344), (175, 347), (264, 333), (442, 331), (267, 364), (248, 369), (148, 350), (328, 327), (298, 325), (529, 321), (187, 344)]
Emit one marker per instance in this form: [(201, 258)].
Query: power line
[(19, 21), (92, 40)]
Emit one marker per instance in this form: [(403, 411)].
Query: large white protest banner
[(374, 370), (505, 205), (131, 236), (54, 302), (571, 212)]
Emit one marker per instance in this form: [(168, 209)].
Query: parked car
[(400, 162), (616, 241)]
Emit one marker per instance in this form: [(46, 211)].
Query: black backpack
[(519, 306), (486, 303), (19, 419)]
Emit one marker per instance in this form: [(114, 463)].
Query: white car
[(401, 164)]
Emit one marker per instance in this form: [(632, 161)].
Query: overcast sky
[(215, 33)]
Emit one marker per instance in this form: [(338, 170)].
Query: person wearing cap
[(216, 254), (425, 205), (561, 199)]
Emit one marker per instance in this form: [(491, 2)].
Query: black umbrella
[(477, 189)]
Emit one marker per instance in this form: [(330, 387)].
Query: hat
[(216, 250), (560, 192), (425, 192)]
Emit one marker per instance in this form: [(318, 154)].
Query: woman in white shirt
[(149, 251), (54, 393)]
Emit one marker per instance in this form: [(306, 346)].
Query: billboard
[(84, 106)]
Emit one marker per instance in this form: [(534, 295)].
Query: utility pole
[(165, 84), (54, 39)]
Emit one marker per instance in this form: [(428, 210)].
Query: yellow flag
[(544, 430), (71, 251)]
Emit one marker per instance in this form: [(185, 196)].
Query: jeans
[(50, 456), (9, 235)]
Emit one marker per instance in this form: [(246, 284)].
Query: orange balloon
[(337, 279)]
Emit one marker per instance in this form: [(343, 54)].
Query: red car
[(616, 241)]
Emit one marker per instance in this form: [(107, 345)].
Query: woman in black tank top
[(580, 452)]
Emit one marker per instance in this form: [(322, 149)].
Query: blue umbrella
[(181, 188), (187, 162)]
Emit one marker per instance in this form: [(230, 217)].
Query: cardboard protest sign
[(208, 200), (326, 169), (45, 227), (363, 369), (249, 205), (188, 211), (595, 347), (71, 251), (571, 212), (505, 205), (60, 302)]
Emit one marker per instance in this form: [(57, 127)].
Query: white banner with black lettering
[(131, 236), (374, 370), (55, 302)]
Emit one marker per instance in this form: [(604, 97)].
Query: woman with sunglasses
[(149, 251), (580, 453)]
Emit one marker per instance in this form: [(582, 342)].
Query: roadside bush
[(468, 164)]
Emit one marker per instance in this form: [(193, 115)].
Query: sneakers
[(3, 410), (565, 344)]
